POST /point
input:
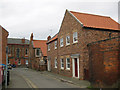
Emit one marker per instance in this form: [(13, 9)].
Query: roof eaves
[(52, 38), (75, 18), (52, 41), (116, 30)]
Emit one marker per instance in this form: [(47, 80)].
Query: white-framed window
[(61, 42), (9, 51), (55, 62), (68, 63), (67, 40), (40, 54), (17, 52), (26, 51), (62, 63), (19, 62), (55, 44), (75, 37), (37, 52), (48, 47)]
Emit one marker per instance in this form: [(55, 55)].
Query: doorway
[(75, 67)]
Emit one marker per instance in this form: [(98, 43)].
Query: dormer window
[(37, 52)]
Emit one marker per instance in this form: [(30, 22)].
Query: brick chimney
[(23, 40), (48, 38), (31, 37)]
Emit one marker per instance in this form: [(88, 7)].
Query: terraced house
[(67, 52), (38, 54), (18, 51)]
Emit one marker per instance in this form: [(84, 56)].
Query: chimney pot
[(48, 38)]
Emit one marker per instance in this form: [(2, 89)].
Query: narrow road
[(28, 78)]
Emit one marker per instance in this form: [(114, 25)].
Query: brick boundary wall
[(104, 62)]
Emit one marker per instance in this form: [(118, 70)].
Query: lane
[(16, 81), (42, 81)]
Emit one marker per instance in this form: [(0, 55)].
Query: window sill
[(55, 48), (56, 67), (61, 46), (37, 56), (9, 54), (62, 68), (67, 45), (75, 42), (68, 69)]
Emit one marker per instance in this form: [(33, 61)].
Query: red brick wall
[(104, 61), (13, 58), (85, 36), (53, 53), (34, 62), (3, 44)]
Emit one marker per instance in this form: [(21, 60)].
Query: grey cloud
[(21, 17)]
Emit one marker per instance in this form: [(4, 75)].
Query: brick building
[(105, 55), (37, 54), (3, 44), (18, 51), (68, 53)]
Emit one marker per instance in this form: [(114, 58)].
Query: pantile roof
[(42, 45), (96, 21)]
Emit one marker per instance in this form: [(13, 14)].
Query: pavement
[(29, 78), (16, 81), (71, 80)]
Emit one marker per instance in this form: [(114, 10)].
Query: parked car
[(13, 65)]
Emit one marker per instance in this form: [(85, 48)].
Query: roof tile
[(96, 21), (42, 45)]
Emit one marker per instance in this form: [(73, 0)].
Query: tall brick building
[(38, 54), (3, 44), (18, 51), (68, 53)]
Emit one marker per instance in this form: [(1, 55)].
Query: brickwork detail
[(104, 61)]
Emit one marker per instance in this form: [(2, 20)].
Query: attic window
[(37, 52)]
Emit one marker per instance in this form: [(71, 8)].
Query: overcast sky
[(44, 17)]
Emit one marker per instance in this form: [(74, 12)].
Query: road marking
[(31, 84)]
